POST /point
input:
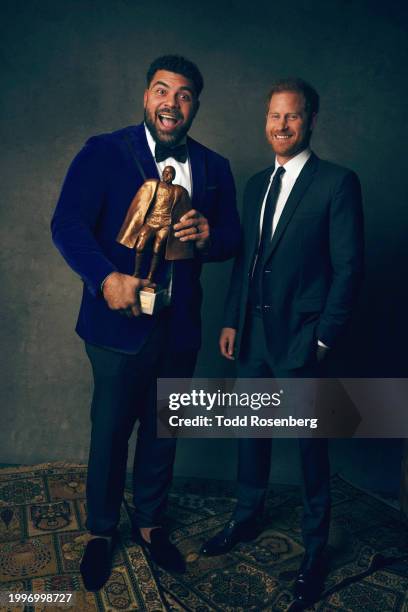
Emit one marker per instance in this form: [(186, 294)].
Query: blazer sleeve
[(233, 299), (224, 221), (346, 244), (234, 293), (76, 215)]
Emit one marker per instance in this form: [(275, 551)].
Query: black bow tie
[(161, 152)]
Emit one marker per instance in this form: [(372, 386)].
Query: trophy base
[(152, 300)]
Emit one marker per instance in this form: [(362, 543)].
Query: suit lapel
[(302, 183), (198, 163), (142, 151)]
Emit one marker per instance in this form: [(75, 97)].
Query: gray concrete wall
[(74, 68)]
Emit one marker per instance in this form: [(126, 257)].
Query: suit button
[(267, 271)]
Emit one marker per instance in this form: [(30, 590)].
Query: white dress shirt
[(183, 171)]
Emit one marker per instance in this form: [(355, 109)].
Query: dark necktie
[(161, 152), (266, 237)]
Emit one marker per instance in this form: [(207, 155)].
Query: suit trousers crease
[(125, 392), (254, 455)]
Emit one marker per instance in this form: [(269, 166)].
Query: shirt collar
[(151, 141), (295, 165)]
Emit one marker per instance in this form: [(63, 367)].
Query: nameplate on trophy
[(153, 300)]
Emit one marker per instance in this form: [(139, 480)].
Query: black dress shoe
[(309, 582), (232, 533), (161, 550), (96, 562)]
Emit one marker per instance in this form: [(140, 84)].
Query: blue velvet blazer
[(99, 187)]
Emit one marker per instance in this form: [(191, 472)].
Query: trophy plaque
[(153, 299)]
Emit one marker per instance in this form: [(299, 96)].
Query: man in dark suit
[(127, 350), (292, 291)]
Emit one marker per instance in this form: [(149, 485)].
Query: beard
[(289, 149), (170, 140)]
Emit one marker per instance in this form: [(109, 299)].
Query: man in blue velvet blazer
[(129, 350)]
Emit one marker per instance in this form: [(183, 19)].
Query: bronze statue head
[(168, 175)]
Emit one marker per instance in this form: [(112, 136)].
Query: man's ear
[(145, 98), (313, 122)]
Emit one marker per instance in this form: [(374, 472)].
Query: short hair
[(179, 65), (297, 85)]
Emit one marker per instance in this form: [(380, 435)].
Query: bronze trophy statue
[(154, 210)]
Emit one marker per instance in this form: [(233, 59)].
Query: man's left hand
[(193, 226)]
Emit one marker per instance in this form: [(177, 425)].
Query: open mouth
[(167, 120), (282, 136)]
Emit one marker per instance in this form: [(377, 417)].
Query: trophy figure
[(156, 207)]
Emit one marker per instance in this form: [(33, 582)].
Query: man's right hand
[(121, 292), (227, 342)]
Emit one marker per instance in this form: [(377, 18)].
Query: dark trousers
[(125, 391), (255, 454)]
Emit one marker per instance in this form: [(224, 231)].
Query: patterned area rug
[(368, 552), (42, 536)]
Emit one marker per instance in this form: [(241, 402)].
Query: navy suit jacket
[(99, 187), (314, 266)]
